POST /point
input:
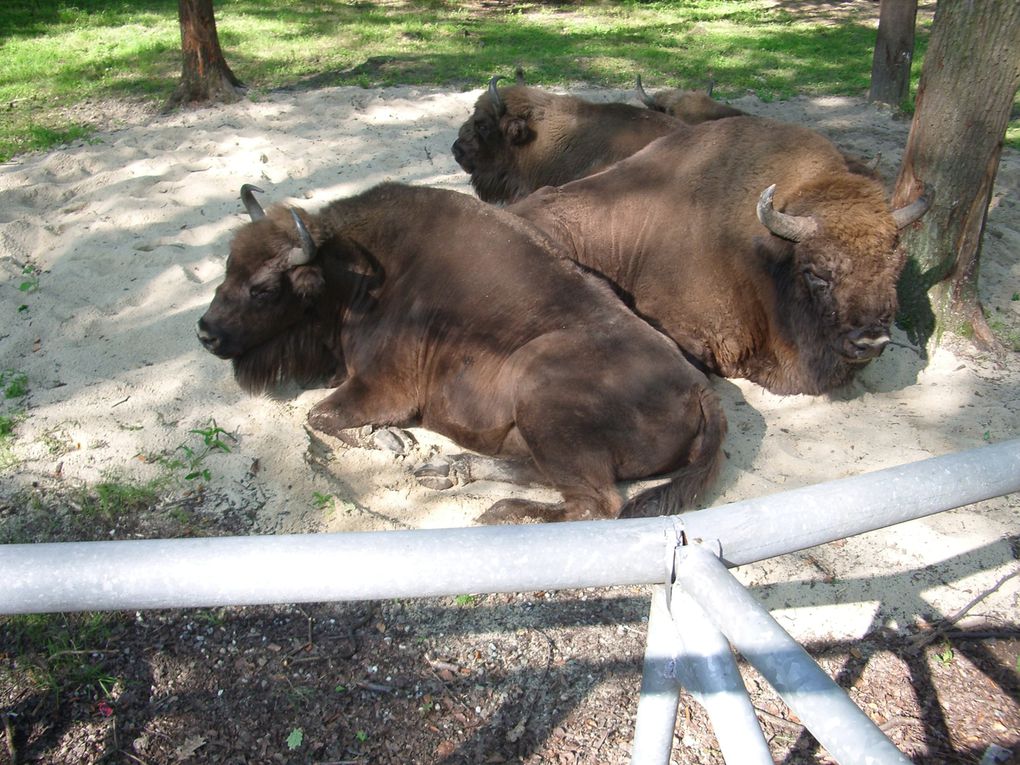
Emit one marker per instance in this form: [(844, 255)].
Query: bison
[(519, 139), (690, 106), (427, 307), (754, 244)]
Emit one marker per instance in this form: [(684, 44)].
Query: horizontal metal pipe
[(422, 563), (756, 529), (838, 724), (330, 567)]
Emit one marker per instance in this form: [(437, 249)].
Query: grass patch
[(59, 55), (64, 653)]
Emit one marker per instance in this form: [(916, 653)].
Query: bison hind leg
[(521, 511), (587, 506), (444, 472)]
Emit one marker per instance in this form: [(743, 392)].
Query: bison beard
[(299, 355), (466, 322)]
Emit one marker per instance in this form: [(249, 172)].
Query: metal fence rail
[(377, 565)]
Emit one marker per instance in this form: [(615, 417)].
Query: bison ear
[(307, 281), (517, 131)]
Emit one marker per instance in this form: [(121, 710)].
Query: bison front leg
[(356, 403)]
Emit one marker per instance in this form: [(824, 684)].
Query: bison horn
[(251, 204), (307, 253), (646, 99), (904, 216), (796, 228), (519, 75), (494, 94)]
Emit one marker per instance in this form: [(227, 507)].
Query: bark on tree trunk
[(205, 76), (894, 52), (971, 73)]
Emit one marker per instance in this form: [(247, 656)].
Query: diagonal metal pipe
[(824, 708)]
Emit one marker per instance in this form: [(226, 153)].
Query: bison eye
[(264, 293), (816, 282)]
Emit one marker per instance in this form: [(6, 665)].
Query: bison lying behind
[(690, 106), (430, 308), (519, 139), (752, 243)]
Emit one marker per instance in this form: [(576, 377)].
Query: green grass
[(56, 54), (64, 653)]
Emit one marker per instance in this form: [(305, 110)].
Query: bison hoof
[(435, 475), (397, 441), (443, 473)]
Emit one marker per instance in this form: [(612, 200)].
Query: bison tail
[(687, 484)]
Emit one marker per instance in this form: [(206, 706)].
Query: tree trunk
[(894, 51), (205, 76), (971, 73)]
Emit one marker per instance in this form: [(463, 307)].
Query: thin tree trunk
[(971, 73), (205, 75), (894, 52)]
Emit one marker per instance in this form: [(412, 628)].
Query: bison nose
[(207, 338), (865, 343), (460, 156)]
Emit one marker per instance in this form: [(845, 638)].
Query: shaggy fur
[(674, 228), (431, 308)]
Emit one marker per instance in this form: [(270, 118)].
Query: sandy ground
[(129, 233)]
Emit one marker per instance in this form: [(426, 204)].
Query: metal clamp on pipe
[(676, 538)]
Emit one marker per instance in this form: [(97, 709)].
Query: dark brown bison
[(519, 139), (752, 243), (431, 308), (690, 106)]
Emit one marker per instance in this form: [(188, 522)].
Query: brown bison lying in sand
[(752, 243), (431, 308), (690, 106), (519, 139)]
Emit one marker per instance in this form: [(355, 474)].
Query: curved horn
[(793, 227), (251, 204), (307, 245), (904, 216), (494, 94), (519, 75), (646, 99)]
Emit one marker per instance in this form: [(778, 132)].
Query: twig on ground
[(935, 631), (782, 722), (85, 652), (983, 634), (896, 722)]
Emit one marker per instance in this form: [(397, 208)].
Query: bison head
[(836, 267), (690, 106), (270, 315), (487, 142)]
